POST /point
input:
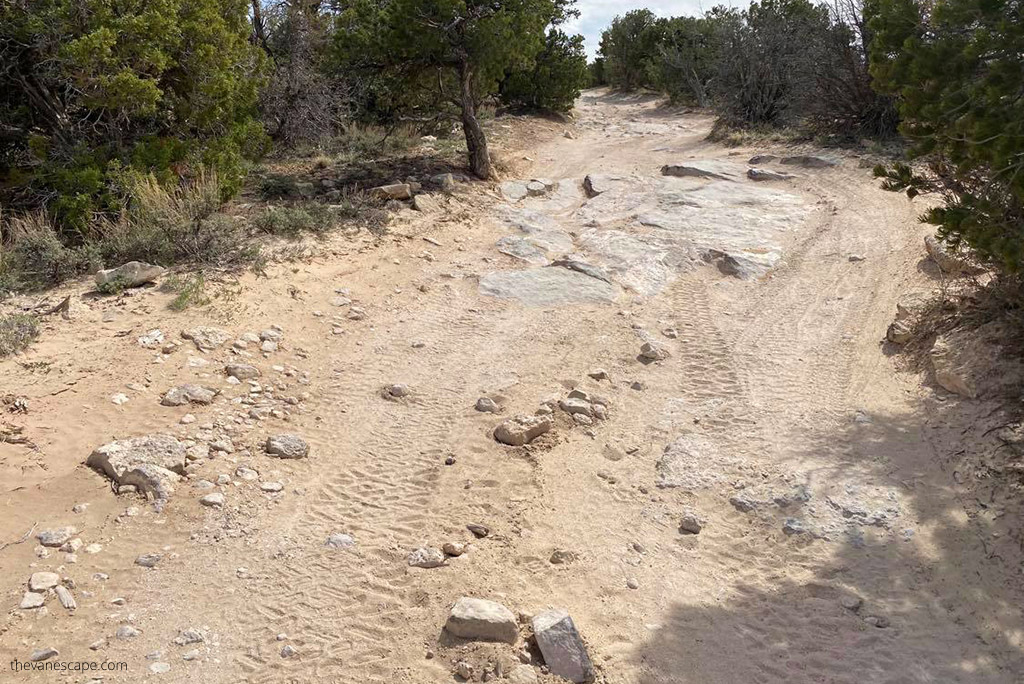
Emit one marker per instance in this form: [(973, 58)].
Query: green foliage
[(94, 91), (293, 222), (190, 291), (630, 49), (597, 73), (687, 57), (556, 79), (958, 72), (425, 57), (17, 332)]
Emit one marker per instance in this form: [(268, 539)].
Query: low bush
[(17, 332)]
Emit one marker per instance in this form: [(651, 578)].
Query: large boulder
[(563, 649), (132, 274), (522, 430), (482, 620), (152, 463)]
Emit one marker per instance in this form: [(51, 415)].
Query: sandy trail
[(855, 560)]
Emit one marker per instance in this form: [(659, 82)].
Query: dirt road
[(833, 545)]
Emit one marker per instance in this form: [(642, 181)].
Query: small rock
[(242, 371), (188, 394), (651, 352), (565, 654), (793, 526), (464, 670), (287, 651), (852, 603), (482, 620), (899, 332), (453, 549), (487, 405), (598, 374), (43, 654), (522, 674), (125, 632), (561, 557), (522, 430), (148, 560), (31, 600), (479, 531), (287, 446), (159, 668), (690, 523), (271, 487), (426, 557), (119, 399), (67, 600), (41, 581), (632, 583), (396, 191), (215, 500), (398, 391), (206, 338), (742, 504), (879, 621), (56, 537), (189, 636)]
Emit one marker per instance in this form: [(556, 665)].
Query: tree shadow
[(932, 594)]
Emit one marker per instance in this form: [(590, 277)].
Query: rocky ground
[(629, 416)]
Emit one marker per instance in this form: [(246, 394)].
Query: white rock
[(131, 274), (43, 580), (215, 500), (482, 620), (32, 599), (522, 430), (287, 446), (426, 557)]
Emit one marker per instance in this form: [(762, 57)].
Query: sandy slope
[(780, 382)]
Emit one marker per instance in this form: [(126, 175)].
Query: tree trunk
[(476, 143)]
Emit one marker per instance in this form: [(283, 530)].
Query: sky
[(595, 15)]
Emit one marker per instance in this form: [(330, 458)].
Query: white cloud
[(596, 15)]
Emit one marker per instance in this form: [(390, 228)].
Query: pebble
[(271, 487), (287, 651), (160, 668), (632, 583)]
